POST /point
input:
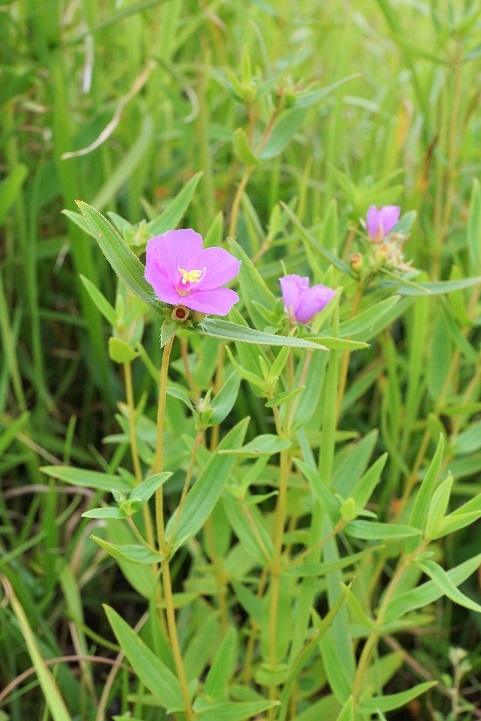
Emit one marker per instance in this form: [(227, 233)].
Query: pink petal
[(218, 301), (372, 221), (220, 267), (389, 215), (161, 283), (173, 250), (291, 287), (312, 301)]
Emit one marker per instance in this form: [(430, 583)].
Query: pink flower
[(381, 222), (301, 302), (182, 273)]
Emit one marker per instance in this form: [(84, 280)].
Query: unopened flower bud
[(381, 255), (356, 261)]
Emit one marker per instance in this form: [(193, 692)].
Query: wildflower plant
[(282, 522), (279, 526)]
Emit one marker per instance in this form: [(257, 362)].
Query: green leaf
[(452, 523), (149, 669), (233, 711), (347, 711), (253, 287), (249, 526), (317, 247), (445, 583), (282, 398), (373, 531), (131, 552), (125, 264), (88, 479), (469, 441), (171, 217), (10, 188), (107, 310), (181, 395), (51, 693), (284, 130), (121, 352), (224, 401), (221, 668), (226, 330), (395, 700), (305, 100), (302, 658), (145, 490), (365, 320), (242, 149), (167, 332), (439, 288), (326, 567), (206, 491), (420, 507), (79, 221), (364, 488), (109, 512), (266, 444), (429, 592), (324, 495), (338, 343), (474, 226), (438, 507)]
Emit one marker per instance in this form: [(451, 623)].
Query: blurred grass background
[(120, 104)]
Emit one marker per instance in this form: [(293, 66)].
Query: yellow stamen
[(191, 276)]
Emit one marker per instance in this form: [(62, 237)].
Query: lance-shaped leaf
[(149, 669), (395, 700), (170, 217), (225, 330), (126, 265), (206, 491), (88, 479)]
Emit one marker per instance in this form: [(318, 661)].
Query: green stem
[(159, 450), (159, 515), (134, 450), (373, 638), (188, 477), (237, 199)]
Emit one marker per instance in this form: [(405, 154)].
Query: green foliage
[(276, 522)]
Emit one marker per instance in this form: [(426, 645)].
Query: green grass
[(160, 90)]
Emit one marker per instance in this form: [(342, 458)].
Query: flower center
[(191, 276)]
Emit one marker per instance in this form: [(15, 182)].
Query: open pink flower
[(381, 222), (182, 273), (301, 302)]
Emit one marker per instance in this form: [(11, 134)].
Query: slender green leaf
[(225, 330), (221, 668), (50, 690), (107, 310), (395, 700), (206, 491), (374, 531), (266, 444), (10, 188), (131, 552), (283, 132), (126, 265), (150, 670), (88, 479), (233, 711), (445, 583), (171, 217), (430, 591)]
